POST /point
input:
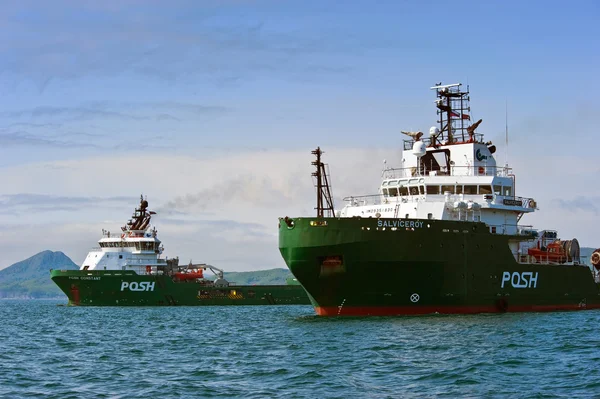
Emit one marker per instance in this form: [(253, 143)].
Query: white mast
[(506, 135)]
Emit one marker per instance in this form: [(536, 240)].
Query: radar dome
[(419, 148), (434, 131)]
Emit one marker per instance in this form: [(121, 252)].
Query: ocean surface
[(53, 351)]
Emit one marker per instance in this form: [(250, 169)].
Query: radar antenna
[(455, 114), (415, 135), (324, 198)]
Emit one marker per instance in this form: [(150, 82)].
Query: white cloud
[(222, 208)]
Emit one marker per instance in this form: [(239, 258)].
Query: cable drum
[(572, 250)]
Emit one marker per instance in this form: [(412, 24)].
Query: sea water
[(53, 351)]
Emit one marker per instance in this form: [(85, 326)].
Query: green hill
[(30, 278), (260, 277), (586, 255)]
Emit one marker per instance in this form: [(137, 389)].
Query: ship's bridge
[(136, 247), (451, 175)]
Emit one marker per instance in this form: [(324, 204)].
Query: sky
[(211, 109)]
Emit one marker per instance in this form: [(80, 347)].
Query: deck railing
[(429, 170), (496, 199), (440, 141), (530, 259)]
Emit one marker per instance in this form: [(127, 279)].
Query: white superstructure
[(450, 175), (136, 247)]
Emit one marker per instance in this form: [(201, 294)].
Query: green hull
[(384, 267), (115, 288)]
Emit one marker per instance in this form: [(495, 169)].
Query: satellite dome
[(419, 148), (434, 131)]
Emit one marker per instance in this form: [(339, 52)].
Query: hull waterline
[(104, 288), (441, 267)]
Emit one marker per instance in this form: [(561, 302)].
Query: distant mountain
[(259, 277), (586, 255), (30, 278)]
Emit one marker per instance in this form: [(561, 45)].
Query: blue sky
[(106, 100)]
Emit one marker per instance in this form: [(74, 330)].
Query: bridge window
[(421, 190), (470, 190), (385, 192), (498, 190), (507, 190), (448, 188), (485, 189), (433, 189), (404, 191), (459, 189), (393, 191), (414, 190)]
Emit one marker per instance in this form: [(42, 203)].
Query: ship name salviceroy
[(400, 223)]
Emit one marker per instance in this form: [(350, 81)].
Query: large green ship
[(127, 270), (442, 235)]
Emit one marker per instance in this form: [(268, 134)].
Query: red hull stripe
[(412, 310)]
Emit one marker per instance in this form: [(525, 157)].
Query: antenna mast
[(454, 112), (324, 198), (506, 134)]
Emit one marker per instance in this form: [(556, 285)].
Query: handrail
[(377, 199), (529, 259), (472, 170), (520, 229), (478, 139)]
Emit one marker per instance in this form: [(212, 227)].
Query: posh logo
[(135, 286), (520, 280), (479, 155)]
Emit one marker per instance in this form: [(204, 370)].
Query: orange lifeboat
[(553, 253), (190, 275)]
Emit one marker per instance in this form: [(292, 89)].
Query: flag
[(465, 116), (454, 114)]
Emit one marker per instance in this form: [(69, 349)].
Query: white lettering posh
[(520, 279)]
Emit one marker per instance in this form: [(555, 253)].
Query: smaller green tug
[(127, 270)]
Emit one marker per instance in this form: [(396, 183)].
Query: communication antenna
[(324, 197), (506, 134)]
